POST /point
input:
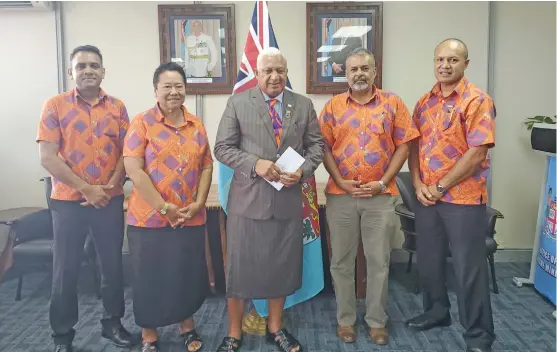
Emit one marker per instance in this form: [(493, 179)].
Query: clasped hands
[(357, 190), (271, 172), (427, 195), (177, 216), (97, 195)]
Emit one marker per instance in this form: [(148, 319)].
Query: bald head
[(450, 60), (455, 44)]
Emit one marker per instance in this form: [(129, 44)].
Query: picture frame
[(334, 29), (201, 38)]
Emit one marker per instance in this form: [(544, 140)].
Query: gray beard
[(360, 86)]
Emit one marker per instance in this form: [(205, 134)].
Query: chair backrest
[(33, 226), (406, 188), (48, 189)]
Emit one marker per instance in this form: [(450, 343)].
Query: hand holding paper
[(290, 161)]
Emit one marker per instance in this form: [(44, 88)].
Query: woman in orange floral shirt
[(168, 158)]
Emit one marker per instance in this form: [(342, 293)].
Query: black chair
[(34, 245), (405, 211)]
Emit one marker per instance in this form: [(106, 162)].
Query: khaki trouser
[(372, 219)]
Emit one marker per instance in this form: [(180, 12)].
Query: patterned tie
[(277, 123)]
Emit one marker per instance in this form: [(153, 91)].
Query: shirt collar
[(160, 117), (458, 90), (278, 97), (76, 94), (349, 97)]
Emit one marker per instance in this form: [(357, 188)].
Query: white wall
[(132, 51), (28, 68), (127, 34), (524, 86)]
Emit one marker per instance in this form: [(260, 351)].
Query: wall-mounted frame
[(334, 29), (201, 38)]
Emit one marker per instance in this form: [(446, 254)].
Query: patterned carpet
[(523, 320)]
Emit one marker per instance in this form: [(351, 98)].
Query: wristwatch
[(164, 209), (441, 189), (383, 187)]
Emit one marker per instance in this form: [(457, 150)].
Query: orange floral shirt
[(363, 137), (449, 127), (174, 158), (90, 138)]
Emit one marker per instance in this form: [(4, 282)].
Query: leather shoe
[(118, 335), (63, 348), (346, 334), (425, 322), (478, 349), (380, 336)]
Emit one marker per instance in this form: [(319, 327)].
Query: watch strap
[(164, 209)]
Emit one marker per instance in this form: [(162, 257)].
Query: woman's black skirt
[(170, 280)]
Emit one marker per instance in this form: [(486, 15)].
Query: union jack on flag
[(262, 36)]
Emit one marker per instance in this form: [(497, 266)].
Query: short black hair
[(168, 66), (87, 48), (361, 51), (458, 41)]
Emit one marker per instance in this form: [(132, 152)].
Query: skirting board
[(502, 255)]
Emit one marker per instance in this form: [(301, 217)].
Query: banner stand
[(518, 281)]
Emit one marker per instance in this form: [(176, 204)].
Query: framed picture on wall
[(201, 38), (334, 29)]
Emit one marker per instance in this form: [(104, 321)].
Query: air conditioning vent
[(26, 5)]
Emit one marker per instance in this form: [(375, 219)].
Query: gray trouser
[(372, 219)]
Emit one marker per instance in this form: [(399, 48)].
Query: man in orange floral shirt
[(366, 132), (80, 138), (449, 166)]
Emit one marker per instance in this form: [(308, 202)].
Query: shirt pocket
[(450, 122), (378, 124)]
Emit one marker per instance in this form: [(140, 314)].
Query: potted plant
[(543, 132)]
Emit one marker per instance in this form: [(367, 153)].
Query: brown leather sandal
[(346, 334), (379, 336)]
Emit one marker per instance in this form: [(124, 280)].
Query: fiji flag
[(261, 36)]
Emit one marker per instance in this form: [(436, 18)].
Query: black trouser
[(464, 229), (72, 222)]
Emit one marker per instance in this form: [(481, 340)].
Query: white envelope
[(289, 161)]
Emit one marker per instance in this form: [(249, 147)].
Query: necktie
[(277, 123)]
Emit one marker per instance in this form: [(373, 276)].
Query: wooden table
[(215, 213)]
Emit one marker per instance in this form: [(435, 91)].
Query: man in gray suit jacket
[(264, 226)]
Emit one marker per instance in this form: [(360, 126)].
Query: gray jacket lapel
[(261, 106)]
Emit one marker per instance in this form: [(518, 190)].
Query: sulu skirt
[(170, 280), (264, 257)]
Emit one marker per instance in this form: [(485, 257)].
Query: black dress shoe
[(118, 335), (426, 322), (478, 349), (63, 348)]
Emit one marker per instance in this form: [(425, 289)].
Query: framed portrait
[(202, 39), (334, 30)]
